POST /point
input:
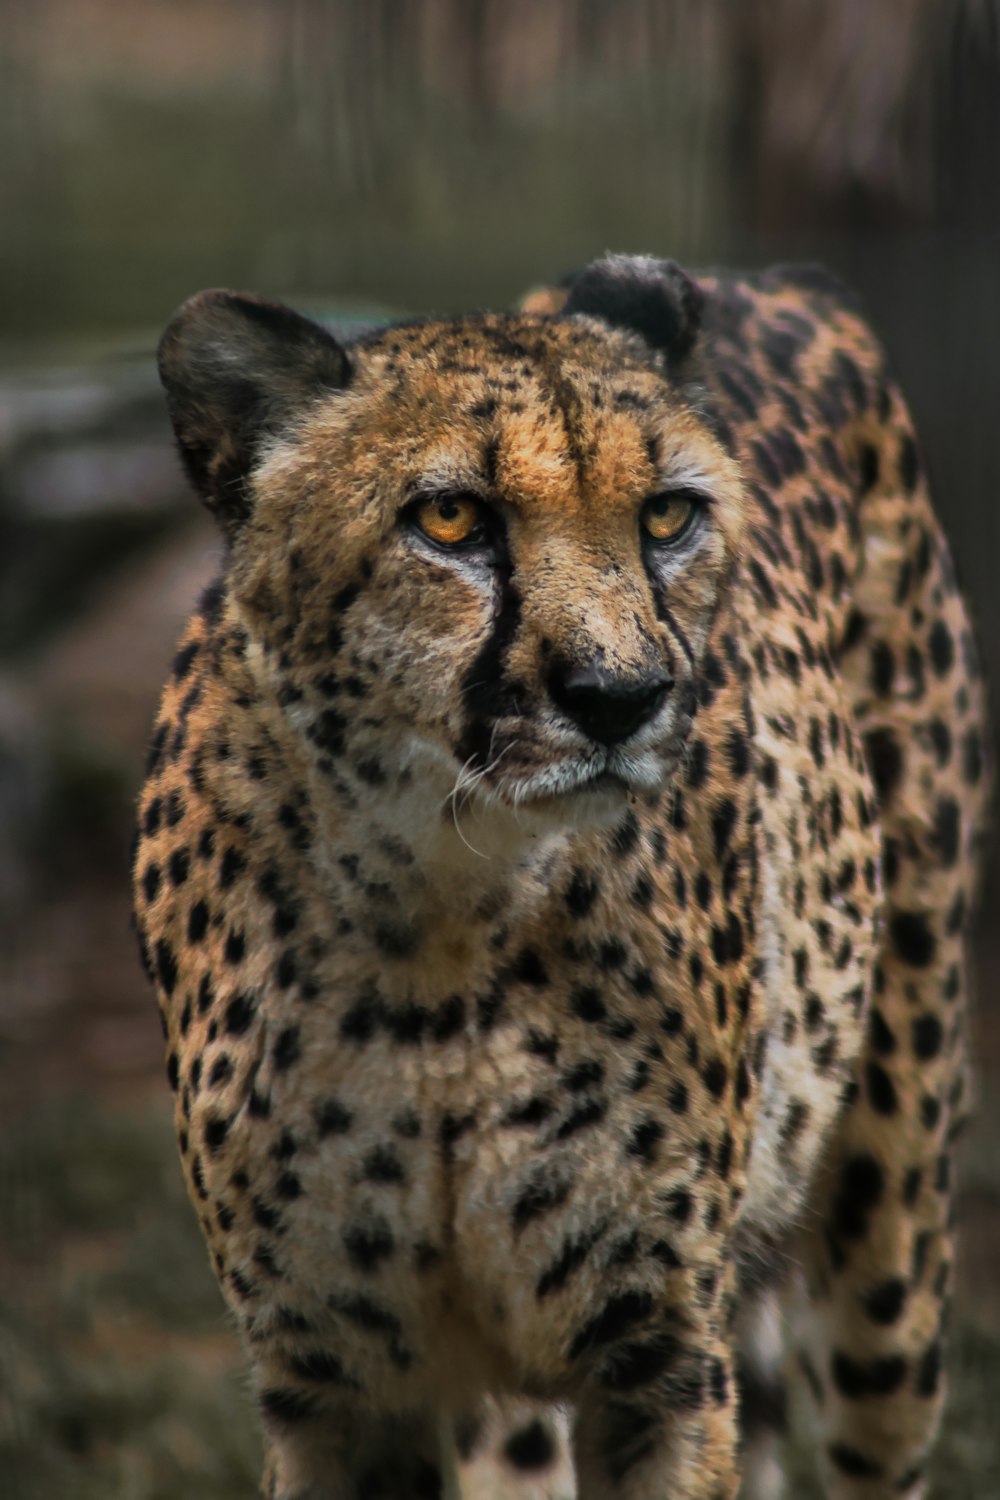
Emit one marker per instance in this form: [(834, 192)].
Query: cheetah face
[(481, 558)]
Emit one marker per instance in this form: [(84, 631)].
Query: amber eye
[(450, 520), (666, 517)]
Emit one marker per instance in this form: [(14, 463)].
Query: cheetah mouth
[(616, 776)]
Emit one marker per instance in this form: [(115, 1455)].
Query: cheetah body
[(508, 1058)]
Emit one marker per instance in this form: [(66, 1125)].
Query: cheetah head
[(477, 560)]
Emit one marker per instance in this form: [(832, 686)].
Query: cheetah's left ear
[(238, 371), (653, 298)]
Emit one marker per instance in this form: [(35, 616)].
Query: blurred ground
[(435, 154)]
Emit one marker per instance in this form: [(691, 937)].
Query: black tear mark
[(485, 692)]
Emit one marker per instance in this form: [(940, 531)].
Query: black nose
[(606, 707)]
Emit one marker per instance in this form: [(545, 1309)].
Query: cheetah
[(555, 866)]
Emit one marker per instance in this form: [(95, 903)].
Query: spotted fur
[(526, 1023)]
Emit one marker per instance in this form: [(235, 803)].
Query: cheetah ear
[(653, 298), (238, 371)]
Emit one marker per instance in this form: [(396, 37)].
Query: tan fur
[(491, 1083)]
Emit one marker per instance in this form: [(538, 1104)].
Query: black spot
[(382, 1164), (644, 1139), (327, 734), (972, 757), (911, 1186), (287, 1048), (885, 759), (942, 648), (166, 966), (530, 1447), (546, 1190), (231, 865), (215, 1132), (639, 1362), (928, 1036), (884, 1303), (581, 894), (618, 1315), (738, 752), (221, 1071), (362, 1020), (679, 1205), (285, 973), (677, 1098), (542, 1044), (947, 830), (698, 759), (582, 1075), (625, 836), (151, 821), (197, 922), (587, 1004), (572, 1256), (451, 1129), (394, 939), (534, 1112), (406, 1023), (849, 1461), (239, 1013), (447, 1021), (332, 1118), (723, 822), (584, 1115), (235, 947), (715, 1076), (611, 954), (288, 1186), (371, 771), (881, 1090), (861, 1187), (369, 1243), (882, 1038), (914, 941), (185, 656), (528, 968), (879, 1377), (883, 668)]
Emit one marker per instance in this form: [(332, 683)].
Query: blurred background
[(365, 158)]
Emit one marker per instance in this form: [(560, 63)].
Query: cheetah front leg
[(878, 1258), (878, 1278), (659, 1424), (341, 1452)]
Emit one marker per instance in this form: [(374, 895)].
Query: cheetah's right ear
[(238, 371), (653, 298)]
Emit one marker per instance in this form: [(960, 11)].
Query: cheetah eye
[(666, 518), (450, 520)]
